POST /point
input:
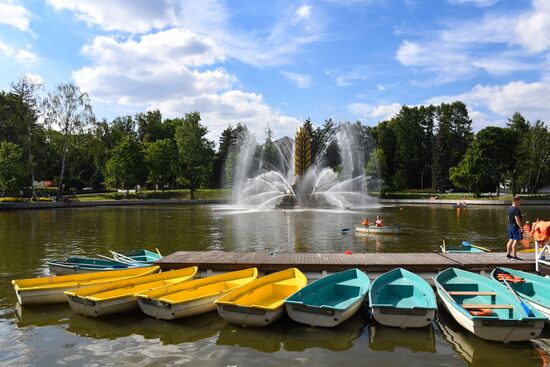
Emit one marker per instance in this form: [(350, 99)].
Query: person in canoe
[(379, 222), (515, 228), (365, 222)]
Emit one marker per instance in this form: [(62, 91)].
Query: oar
[(526, 308), (126, 258), (468, 244), (440, 287), (158, 252), (344, 230), (115, 260)]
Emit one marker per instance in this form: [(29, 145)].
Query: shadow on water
[(479, 352), (383, 338)]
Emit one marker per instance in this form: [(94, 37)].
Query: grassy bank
[(211, 194), (460, 196)]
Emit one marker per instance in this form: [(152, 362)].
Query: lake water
[(55, 335)]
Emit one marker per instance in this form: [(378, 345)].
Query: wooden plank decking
[(331, 262)]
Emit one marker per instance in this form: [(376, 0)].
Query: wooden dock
[(424, 263)]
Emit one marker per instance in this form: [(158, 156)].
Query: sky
[(276, 63)]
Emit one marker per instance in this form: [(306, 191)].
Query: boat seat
[(347, 290), (473, 306), (400, 290), (472, 293)]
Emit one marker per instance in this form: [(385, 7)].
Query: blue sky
[(279, 62)]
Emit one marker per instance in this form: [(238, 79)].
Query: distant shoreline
[(84, 204)]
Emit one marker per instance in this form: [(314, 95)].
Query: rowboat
[(261, 301), (465, 247), (391, 229), (192, 297), (81, 264), (51, 289), (534, 289), (118, 296), (485, 308), (402, 299), (329, 301)]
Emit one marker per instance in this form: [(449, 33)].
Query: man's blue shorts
[(513, 232)]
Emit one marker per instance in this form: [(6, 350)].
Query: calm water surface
[(54, 335)]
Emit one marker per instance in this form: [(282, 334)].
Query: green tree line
[(54, 135)]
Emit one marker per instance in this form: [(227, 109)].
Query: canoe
[(391, 229), (329, 301), (193, 297), (464, 294), (261, 301), (51, 289), (534, 289), (118, 296), (82, 264), (402, 299), (464, 248)]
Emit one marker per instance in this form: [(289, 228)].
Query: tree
[(124, 167), (270, 154), (486, 161), (12, 168), (452, 138), (160, 158), (70, 110), (27, 109), (195, 152), (227, 154)]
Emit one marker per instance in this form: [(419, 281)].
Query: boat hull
[(403, 318), (60, 269), (42, 296), (496, 330), (166, 311), (249, 316), (101, 308), (379, 230), (321, 316)]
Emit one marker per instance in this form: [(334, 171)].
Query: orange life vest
[(541, 231), (482, 312), (366, 223)]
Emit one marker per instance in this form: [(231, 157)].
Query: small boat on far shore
[(386, 229)]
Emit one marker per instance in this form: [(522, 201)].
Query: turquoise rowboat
[(81, 265), (402, 299), (465, 248), (534, 289), (485, 308), (329, 301)]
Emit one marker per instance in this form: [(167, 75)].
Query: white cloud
[(303, 11), (379, 112), (15, 15), (477, 3), (35, 78), (461, 49), (218, 110), (300, 80), (20, 56), (531, 99), (174, 71), (262, 47)]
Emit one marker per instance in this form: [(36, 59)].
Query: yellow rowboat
[(193, 297), (51, 289), (118, 296), (261, 302)]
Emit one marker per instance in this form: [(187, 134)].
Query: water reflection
[(383, 338), (267, 339), (479, 352), (42, 315), (339, 338)]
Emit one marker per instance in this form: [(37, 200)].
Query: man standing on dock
[(514, 228)]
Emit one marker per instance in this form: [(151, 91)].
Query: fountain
[(296, 173)]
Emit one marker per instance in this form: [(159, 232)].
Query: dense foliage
[(57, 138)]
